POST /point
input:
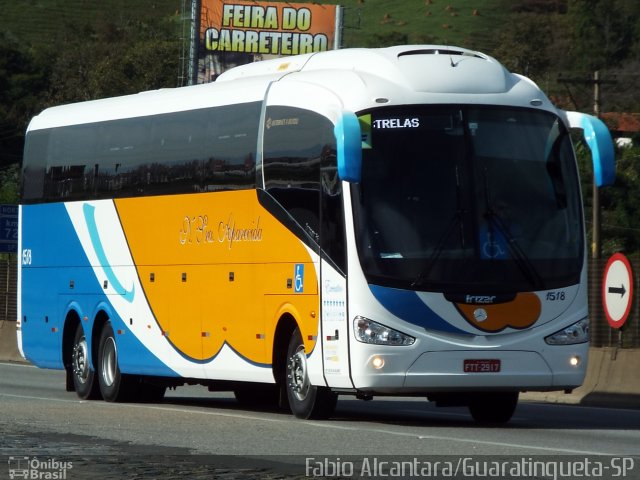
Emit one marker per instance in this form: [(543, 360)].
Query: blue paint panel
[(406, 305), (57, 258), (133, 356), (349, 147), (49, 235)]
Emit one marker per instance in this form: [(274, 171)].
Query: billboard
[(237, 32)]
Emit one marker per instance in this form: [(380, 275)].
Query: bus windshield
[(468, 198)]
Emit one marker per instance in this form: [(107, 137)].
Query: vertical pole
[(7, 291), (596, 251), (337, 34), (195, 43), (596, 243)]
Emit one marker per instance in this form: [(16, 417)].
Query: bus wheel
[(114, 386), (305, 400), (493, 407), (84, 379)]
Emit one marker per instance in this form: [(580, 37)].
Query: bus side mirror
[(349, 146), (598, 138)]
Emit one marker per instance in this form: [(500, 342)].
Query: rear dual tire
[(107, 381), (84, 378), (116, 386), (113, 385)]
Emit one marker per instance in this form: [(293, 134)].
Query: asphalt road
[(197, 434)]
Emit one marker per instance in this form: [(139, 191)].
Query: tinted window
[(232, 136), (458, 197), (181, 152), (34, 164), (294, 141), (332, 212)]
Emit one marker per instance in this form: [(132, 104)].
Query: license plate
[(482, 366)]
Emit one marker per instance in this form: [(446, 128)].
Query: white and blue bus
[(401, 221)]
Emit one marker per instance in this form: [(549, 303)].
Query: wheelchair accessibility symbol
[(298, 284), (493, 250), (493, 245)]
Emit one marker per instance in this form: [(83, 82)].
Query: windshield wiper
[(521, 259), (442, 241), (494, 220)]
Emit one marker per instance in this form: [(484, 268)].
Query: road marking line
[(464, 440), (9, 364), (516, 445), (29, 397)]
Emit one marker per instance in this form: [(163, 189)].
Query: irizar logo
[(480, 299)]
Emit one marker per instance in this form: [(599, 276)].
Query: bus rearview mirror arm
[(349, 147), (598, 138)]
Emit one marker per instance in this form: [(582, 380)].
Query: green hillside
[(86, 41), (456, 22), (469, 23), (46, 22)]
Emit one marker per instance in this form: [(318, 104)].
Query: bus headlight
[(576, 333), (368, 331)]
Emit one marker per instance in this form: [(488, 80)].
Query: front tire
[(305, 400), (84, 378)]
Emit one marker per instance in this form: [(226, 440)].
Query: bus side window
[(70, 163), (293, 146), (122, 157), (34, 165), (230, 147), (177, 146)]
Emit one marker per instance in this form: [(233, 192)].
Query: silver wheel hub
[(80, 360), (109, 362), (297, 377)]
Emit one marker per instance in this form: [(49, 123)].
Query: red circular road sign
[(617, 290)]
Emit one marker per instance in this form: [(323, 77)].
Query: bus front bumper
[(557, 368)]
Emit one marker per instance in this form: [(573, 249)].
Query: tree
[(524, 44), (9, 181), (112, 58), (106, 58), (604, 32), (22, 83), (621, 205)]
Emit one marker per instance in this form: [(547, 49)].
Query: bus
[(402, 221)]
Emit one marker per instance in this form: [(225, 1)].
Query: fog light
[(377, 362), (574, 361)]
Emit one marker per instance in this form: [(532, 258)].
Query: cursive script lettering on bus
[(229, 232), (196, 230)]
